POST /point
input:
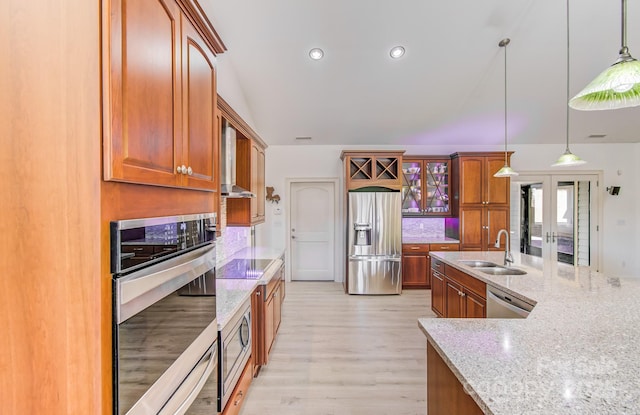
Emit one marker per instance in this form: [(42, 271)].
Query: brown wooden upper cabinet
[(160, 95), (257, 183), (482, 200), (477, 184), (372, 168), (425, 186), (250, 171)]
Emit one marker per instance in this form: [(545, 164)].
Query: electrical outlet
[(421, 225)]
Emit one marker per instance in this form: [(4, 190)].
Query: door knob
[(293, 237)]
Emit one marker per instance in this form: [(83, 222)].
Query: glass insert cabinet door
[(412, 187), (437, 200), (425, 187)]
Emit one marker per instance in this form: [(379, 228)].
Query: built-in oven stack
[(165, 349)]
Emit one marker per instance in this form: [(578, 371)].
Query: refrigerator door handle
[(392, 258)]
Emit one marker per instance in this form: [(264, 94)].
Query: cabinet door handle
[(415, 247), (237, 401), (189, 170)]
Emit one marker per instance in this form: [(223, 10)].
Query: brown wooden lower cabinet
[(445, 394), (437, 293), (234, 404), (257, 329), (475, 306), (455, 294), (266, 311), (415, 266), (454, 305), (416, 263)]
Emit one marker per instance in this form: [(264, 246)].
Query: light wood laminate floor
[(339, 354)]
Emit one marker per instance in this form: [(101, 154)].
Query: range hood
[(228, 186)]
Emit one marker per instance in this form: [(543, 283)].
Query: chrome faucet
[(508, 259)]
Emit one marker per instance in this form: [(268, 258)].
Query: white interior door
[(312, 231), (557, 218)]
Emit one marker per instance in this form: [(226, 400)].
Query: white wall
[(230, 90), (621, 214)]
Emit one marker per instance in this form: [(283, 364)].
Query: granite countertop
[(232, 294), (426, 239), (257, 252), (576, 353)]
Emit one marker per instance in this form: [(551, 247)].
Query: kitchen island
[(576, 353)]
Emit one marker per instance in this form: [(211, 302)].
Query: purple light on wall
[(485, 129)]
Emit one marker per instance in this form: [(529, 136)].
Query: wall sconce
[(613, 190), (271, 197)]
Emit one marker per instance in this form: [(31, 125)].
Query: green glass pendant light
[(618, 86)]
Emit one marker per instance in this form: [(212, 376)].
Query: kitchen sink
[(497, 270), (476, 264)]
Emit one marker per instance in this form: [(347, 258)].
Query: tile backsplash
[(432, 227), (233, 239)]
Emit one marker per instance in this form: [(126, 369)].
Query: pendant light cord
[(505, 103), (624, 48), (568, 97)]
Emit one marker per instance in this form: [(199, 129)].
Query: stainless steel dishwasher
[(503, 305)]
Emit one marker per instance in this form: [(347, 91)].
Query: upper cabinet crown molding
[(199, 18), (236, 120)]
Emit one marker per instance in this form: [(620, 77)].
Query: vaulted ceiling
[(449, 86)]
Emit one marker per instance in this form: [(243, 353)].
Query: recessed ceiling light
[(316, 54), (396, 52)]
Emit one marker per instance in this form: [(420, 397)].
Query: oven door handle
[(184, 396), (137, 291)]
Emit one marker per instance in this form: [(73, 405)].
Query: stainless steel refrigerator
[(374, 245)]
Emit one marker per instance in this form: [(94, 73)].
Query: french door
[(558, 217)]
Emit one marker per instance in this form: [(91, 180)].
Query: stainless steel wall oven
[(165, 350)]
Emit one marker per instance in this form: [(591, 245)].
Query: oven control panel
[(137, 243)]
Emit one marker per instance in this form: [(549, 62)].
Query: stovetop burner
[(243, 269)]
